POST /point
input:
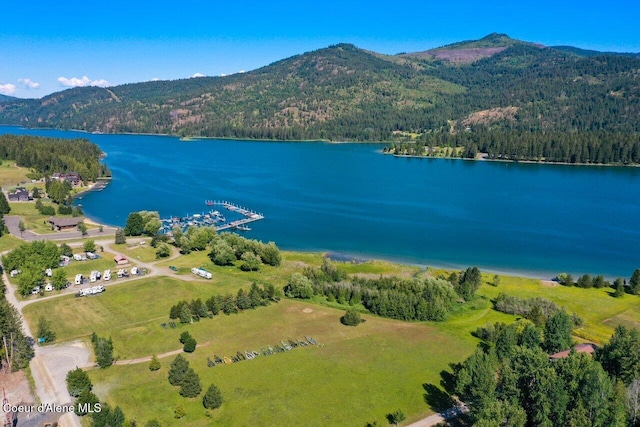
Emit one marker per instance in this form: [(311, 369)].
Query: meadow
[(357, 374)]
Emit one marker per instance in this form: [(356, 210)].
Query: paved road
[(12, 222)]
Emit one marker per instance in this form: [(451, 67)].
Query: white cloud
[(155, 79), (84, 81), (197, 75), (7, 89), (29, 84)]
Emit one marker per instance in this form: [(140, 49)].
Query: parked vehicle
[(201, 272)]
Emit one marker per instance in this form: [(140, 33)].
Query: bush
[(190, 345), (154, 365), (351, 318), (163, 250), (250, 262), (179, 411), (298, 287)]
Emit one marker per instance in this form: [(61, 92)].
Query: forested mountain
[(6, 98), (345, 93)]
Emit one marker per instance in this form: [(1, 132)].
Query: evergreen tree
[(634, 282), (185, 314), (189, 345), (120, 237), (77, 382), (44, 330), (4, 204), (86, 400), (178, 369), (557, 332), (190, 385), (134, 225), (212, 399)]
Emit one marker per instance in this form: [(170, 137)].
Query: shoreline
[(534, 162), (325, 141)]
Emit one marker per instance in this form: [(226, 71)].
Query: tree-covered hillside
[(345, 93)]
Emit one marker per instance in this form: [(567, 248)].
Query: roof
[(119, 258), (580, 348), (65, 222)]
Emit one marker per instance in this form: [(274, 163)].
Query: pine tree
[(4, 204), (190, 385), (634, 282), (77, 382), (185, 314), (179, 368), (212, 399), (120, 237)]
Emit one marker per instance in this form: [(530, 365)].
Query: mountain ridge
[(341, 92)]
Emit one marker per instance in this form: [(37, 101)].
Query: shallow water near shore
[(532, 219)]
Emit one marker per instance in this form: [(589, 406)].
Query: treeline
[(510, 379), (538, 310), (16, 349), (620, 285), (393, 297), (258, 296), (49, 155), (525, 145)]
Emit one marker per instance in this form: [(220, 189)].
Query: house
[(60, 224), (72, 177), (120, 260), (580, 348), (20, 194)]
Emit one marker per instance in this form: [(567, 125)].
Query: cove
[(531, 219)]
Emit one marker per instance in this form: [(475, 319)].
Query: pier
[(240, 224), (213, 218)]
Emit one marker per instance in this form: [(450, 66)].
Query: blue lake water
[(528, 218)]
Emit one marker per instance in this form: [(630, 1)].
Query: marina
[(213, 218)]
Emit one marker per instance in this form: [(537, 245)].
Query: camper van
[(78, 280), (201, 272), (48, 287), (107, 275)]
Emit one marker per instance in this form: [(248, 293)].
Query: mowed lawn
[(356, 374)]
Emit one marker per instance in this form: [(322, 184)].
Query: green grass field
[(358, 376), (12, 175), (144, 253)]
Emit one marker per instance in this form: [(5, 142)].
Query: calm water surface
[(532, 219)]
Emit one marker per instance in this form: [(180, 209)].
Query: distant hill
[(6, 98), (589, 53), (344, 93)]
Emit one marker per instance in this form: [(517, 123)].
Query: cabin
[(60, 224), (120, 260), (580, 348), (20, 194)]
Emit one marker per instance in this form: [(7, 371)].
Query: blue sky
[(48, 46)]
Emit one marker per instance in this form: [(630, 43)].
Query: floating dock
[(213, 218), (240, 224)]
